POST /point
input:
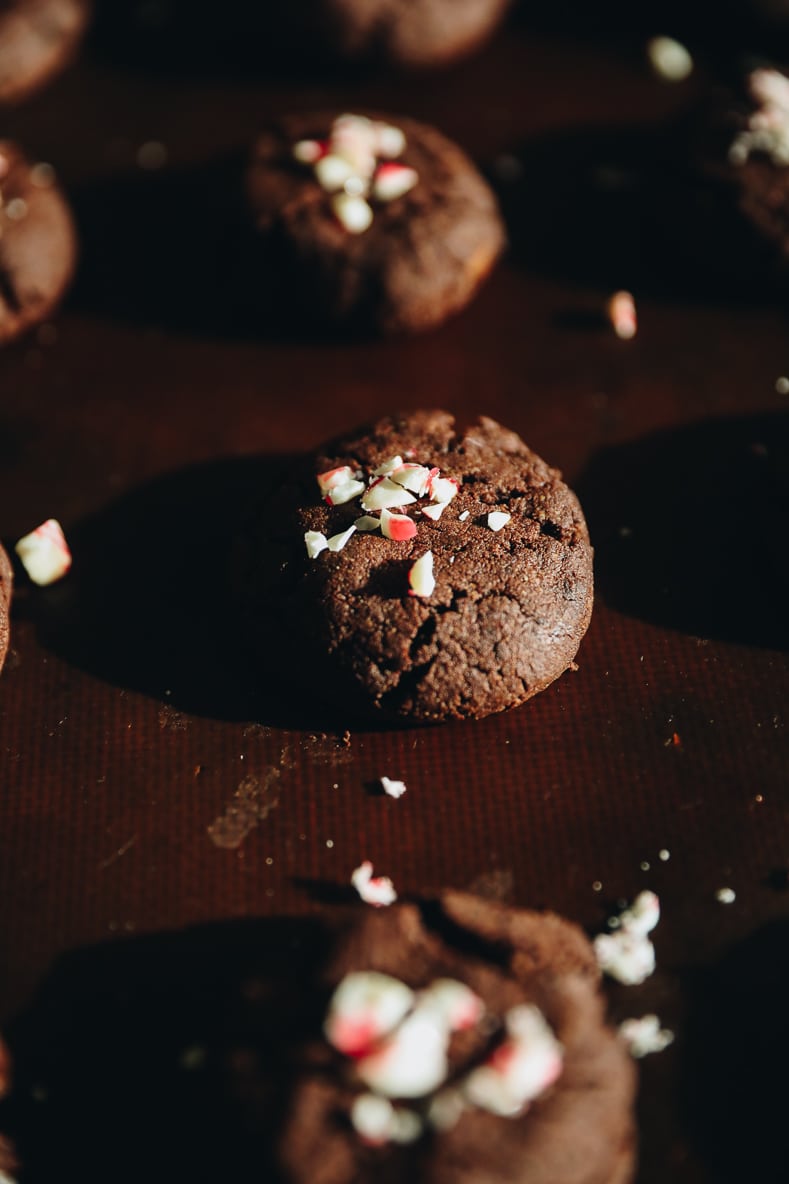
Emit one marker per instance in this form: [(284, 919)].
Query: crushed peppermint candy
[(334, 477), (645, 1036), (394, 789), (339, 495), (356, 165), (315, 542), (627, 954), (375, 890), (726, 896), (399, 1040), (397, 526), (44, 553), (768, 127), (621, 309), (669, 59), (385, 494), (338, 541), (420, 576), (366, 524), (462, 517), (434, 510), (498, 519)]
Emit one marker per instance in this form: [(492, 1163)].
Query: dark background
[(135, 726)]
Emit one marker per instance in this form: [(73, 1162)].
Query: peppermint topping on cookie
[(375, 890), (768, 126), (393, 789), (627, 954), (498, 519), (645, 1036), (397, 526), (45, 553), (399, 1041), (355, 164), (315, 541), (420, 576)]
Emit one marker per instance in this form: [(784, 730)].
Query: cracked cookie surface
[(509, 606)]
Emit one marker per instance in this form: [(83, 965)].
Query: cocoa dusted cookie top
[(37, 242), (422, 573), (463, 1043), (374, 221), (38, 38), (6, 584)]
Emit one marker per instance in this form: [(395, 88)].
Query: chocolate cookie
[(375, 222), (6, 584), (37, 243), (413, 33), (424, 574), (38, 39), (467, 1043)]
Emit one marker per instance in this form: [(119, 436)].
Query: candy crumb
[(462, 517), (45, 553), (726, 895), (498, 519), (782, 385), (395, 789), (421, 577), (669, 59), (315, 542), (645, 1036), (338, 541), (621, 309), (375, 890)]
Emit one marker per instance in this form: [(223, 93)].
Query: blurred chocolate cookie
[(376, 222), (6, 584), (460, 1043), (38, 245), (413, 572), (38, 39)]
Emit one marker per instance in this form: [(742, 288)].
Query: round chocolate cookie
[(412, 33), (38, 39), (38, 246), (6, 584), (424, 574), (377, 223), (462, 1044)]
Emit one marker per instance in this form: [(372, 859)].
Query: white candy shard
[(434, 511), (385, 494), (353, 137), (462, 517), (520, 1069), (669, 59), (411, 1061), (308, 151), (768, 126), (365, 1007), (445, 1109), (45, 553), (395, 789), (315, 542), (377, 1121), (366, 524), (352, 211), (413, 477), (645, 1036), (393, 181), (421, 577), (498, 519), (628, 955), (389, 140), (621, 310), (388, 466), (375, 890), (332, 172), (726, 896), (397, 526), (338, 541), (346, 492)]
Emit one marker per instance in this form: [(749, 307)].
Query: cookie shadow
[(733, 1094), (687, 524), (612, 208), (168, 1057)]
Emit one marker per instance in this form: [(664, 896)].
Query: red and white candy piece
[(394, 789), (389, 140), (411, 1061), (643, 914), (365, 1007), (385, 494), (375, 890), (498, 519), (309, 151), (397, 526), (434, 510), (334, 477), (340, 494), (332, 172), (338, 541), (420, 576), (44, 553), (315, 542), (352, 212), (354, 138), (442, 489), (455, 1004), (392, 181), (413, 477), (520, 1069)]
